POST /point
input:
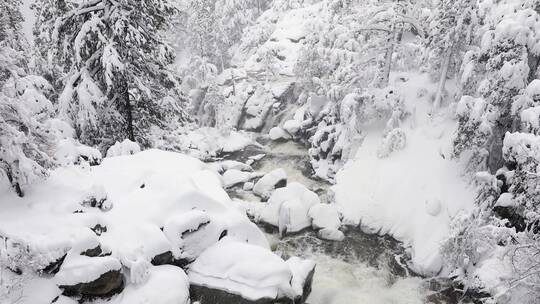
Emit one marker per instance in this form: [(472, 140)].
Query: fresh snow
[(147, 191), (247, 270), (264, 186), (412, 194)]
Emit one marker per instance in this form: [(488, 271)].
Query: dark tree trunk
[(129, 115)]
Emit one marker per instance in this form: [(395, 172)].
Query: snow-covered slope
[(412, 194)]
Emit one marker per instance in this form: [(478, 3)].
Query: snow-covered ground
[(131, 209), (412, 194)]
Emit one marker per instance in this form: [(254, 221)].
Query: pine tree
[(451, 32), (26, 139), (114, 64), (504, 57)]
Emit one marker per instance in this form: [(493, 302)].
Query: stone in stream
[(90, 277), (269, 182), (225, 274)]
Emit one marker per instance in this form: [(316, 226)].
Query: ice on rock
[(277, 133), (251, 272), (166, 284), (288, 208), (269, 182), (324, 216), (126, 147)]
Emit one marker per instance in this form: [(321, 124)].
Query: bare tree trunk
[(442, 79), (129, 115), (384, 76)]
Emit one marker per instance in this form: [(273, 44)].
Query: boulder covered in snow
[(324, 216), (288, 208), (165, 285), (277, 133), (86, 276), (126, 147), (292, 126), (273, 180), (192, 232), (233, 177), (232, 271)]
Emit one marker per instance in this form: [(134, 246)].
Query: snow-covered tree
[(114, 63), (451, 32), (26, 139), (504, 55)]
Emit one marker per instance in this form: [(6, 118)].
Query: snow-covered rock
[(81, 275), (165, 285), (193, 232), (69, 151), (236, 165), (331, 234), (288, 208), (232, 271), (126, 147), (277, 133), (302, 277), (233, 177), (272, 180), (248, 186), (292, 126), (324, 216), (152, 190)]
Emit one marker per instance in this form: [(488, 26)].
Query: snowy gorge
[(269, 151)]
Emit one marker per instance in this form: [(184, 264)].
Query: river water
[(361, 269)]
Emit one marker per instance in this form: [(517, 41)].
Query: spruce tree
[(114, 64)]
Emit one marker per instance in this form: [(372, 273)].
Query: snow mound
[(83, 269), (277, 133), (234, 177), (249, 271), (152, 190), (166, 285), (324, 216), (126, 147), (288, 208), (269, 182)]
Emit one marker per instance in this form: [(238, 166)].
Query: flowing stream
[(361, 269)]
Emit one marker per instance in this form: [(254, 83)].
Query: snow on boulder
[(277, 133), (236, 272), (150, 189), (126, 147), (302, 277), (331, 234), (288, 208), (69, 151), (324, 216), (234, 177), (81, 275), (233, 164), (270, 181), (192, 232), (292, 126), (165, 285)]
